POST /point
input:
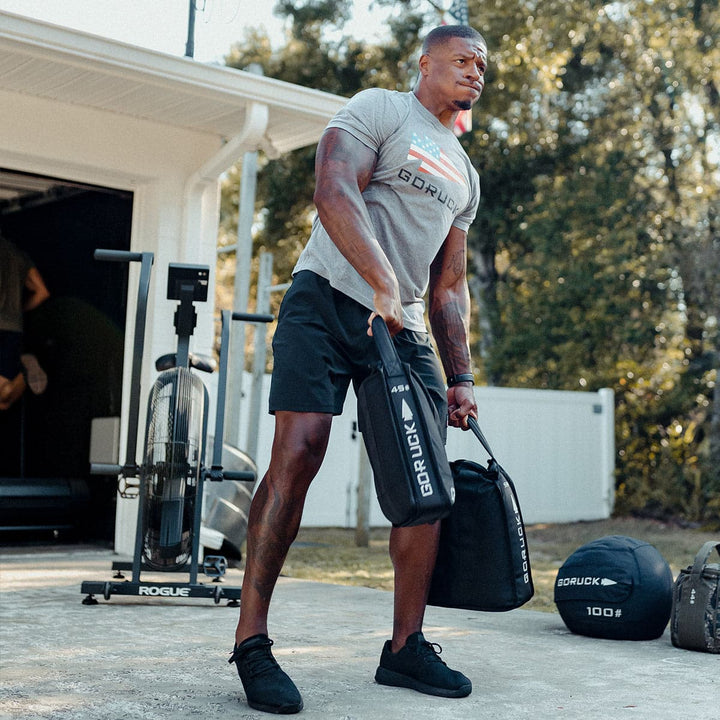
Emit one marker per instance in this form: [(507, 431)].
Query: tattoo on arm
[(450, 333), (449, 311), (457, 264)]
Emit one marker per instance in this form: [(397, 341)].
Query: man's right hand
[(389, 308)]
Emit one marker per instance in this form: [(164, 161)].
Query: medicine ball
[(617, 588)]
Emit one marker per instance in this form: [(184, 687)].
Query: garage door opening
[(77, 336)]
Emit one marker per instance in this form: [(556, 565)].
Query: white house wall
[(151, 160)]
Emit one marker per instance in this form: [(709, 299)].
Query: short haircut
[(443, 33)]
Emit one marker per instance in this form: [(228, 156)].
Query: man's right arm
[(343, 169)]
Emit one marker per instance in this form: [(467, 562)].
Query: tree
[(613, 112)]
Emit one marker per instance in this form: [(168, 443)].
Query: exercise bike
[(170, 481)]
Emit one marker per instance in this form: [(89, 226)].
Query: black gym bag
[(483, 561), (400, 428), (695, 618)]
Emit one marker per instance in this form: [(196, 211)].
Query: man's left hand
[(461, 403)]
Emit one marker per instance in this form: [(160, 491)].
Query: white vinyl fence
[(557, 446)]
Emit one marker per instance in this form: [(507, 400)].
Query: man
[(21, 289), (395, 195)]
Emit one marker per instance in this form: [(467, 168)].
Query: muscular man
[(395, 196)]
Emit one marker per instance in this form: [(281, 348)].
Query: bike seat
[(199, 362)]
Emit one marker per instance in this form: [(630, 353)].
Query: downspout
[(248, 139)]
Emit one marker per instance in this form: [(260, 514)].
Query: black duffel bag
[(695, 618), (483, 561)]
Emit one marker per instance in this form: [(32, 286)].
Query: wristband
[(460, 378)]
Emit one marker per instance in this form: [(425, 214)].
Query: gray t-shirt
[(422, 185)]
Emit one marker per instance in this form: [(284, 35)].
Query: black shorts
[(321, 345), (10, 349)]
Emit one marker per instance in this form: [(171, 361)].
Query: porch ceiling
[(68, 66)]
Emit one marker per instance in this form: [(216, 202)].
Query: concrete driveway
[(152, 658)]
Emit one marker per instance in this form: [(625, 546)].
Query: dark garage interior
[(77, 335)]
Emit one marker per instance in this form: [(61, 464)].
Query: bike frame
[(183, 284)]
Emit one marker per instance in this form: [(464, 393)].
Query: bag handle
[(473, 425), (703, 554), (393, 367), (386, 348)]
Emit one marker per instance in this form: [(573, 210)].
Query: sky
[(162, 25)]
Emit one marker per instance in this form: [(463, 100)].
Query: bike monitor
[(196, 275)]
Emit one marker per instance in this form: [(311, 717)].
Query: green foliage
[(595, 256), (602, 229)]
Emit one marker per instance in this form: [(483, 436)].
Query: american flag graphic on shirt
[(433, 160)]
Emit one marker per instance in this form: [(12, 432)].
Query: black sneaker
[(267, 686), (418, 666)]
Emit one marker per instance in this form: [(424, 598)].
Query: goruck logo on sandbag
[(520, 528), (416, 452)]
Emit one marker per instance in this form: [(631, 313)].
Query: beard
[(462, 104)]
